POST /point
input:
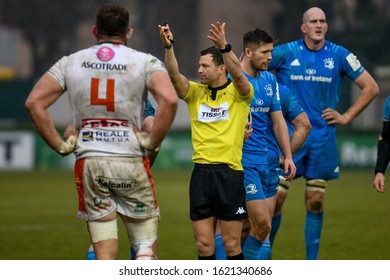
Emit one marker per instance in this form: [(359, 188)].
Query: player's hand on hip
[(68, 145), (333, 117), (70, 130), (144, 140)]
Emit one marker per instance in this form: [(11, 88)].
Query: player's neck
[(246, 67), (111, 39), (314, 45)]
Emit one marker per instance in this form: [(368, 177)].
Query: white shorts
[(107, 184)]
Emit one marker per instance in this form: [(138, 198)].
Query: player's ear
[(94, 30), (303, 28), (247, 52), (129, 33)]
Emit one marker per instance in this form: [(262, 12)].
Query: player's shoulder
[(268, 76), (283, 90), (336, 48), (289, 46)]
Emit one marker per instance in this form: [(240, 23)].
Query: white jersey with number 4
[(107, 88)]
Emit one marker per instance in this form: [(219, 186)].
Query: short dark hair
[(112, 20), (256, 38), (215, 53)]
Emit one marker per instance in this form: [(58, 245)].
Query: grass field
[(38, 219)]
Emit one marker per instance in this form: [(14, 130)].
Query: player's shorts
[(108, 184), (273, 176), (317, 160), (218, 191), (256, 178)]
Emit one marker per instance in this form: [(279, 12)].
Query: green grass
[(38, 219)]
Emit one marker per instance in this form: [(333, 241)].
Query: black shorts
[(216, 190)]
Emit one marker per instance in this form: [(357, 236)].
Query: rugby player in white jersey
[(107, 86)]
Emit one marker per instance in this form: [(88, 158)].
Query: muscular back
[(107, 89)]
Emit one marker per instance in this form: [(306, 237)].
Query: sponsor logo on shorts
[(251, 189), (240, 211), (97, 201), (139, 208), (116, 183)]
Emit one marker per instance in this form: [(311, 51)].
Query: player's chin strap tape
[(316, 185)]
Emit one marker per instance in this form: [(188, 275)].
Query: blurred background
[(35, 34)]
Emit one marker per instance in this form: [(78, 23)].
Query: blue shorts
[(273, 176), (317, 160), (256, 178)]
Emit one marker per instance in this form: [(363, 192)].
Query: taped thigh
[(101, 231), (316, 185), (143, 237), (284, 185)]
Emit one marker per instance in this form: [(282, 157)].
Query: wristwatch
[(227, 49)]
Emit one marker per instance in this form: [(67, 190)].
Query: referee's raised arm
[(217, 35)]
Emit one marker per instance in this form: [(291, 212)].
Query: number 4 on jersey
[(109, 101)]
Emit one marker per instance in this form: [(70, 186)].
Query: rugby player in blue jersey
[(258, 45), (299, 127), (383, 157), (313, 69)]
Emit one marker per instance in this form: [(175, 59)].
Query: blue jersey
[(386, 110), (149, 110), (265, 100), (315, 77), (290, 109)]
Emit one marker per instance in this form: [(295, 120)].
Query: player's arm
[(301, 130), (281, 134), (179, 81), (383, 157), (164, 93), (368, 91), (42, 96), (217, 35), (147, 127)]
